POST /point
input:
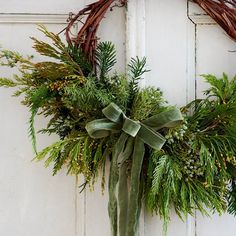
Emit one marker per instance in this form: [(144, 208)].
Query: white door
[(174, 35)]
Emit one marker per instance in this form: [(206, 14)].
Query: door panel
[(213, 56), (166, 50), (43, 6), (216, 225), (32, 202), (166, 47), (214, 53)]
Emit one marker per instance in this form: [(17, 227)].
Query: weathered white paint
[(15, 18), (136, 29), (216, 226), (136, 46), (136, 32), (31, 201), (166, 39), (211, 56), (175, 37), (170, 35), (197, 15), (43, 6)]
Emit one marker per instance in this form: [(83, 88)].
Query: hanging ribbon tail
[(123, 186), (113, 180), (133, 209), (130, 145)]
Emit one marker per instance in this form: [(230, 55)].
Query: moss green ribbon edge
[(131, 143)]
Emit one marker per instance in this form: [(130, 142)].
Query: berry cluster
[(177, 133), (192, 165)]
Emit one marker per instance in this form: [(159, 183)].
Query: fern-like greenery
[(196, 168), (71, 93)]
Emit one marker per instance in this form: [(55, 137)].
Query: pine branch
[(105, 58), (137, 69)]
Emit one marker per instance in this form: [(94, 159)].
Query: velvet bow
[(124, 204)]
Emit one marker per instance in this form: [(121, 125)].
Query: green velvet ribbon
[(124, 200)]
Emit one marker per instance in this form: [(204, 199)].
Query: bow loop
[(169, 119), (113, 112), (102, 128)]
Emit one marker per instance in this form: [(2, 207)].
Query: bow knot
[(146, 130)]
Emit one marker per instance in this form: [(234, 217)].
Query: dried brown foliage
[(223, 12)]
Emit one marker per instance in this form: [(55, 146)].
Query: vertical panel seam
[(76, 206), (85, 209), (80, 216), (136, 46), (191, 63), (195, 61)]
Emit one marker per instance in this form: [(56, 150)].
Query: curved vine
[(86, 38), (222, 11)]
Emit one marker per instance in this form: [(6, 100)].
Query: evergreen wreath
[(160, 156)]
